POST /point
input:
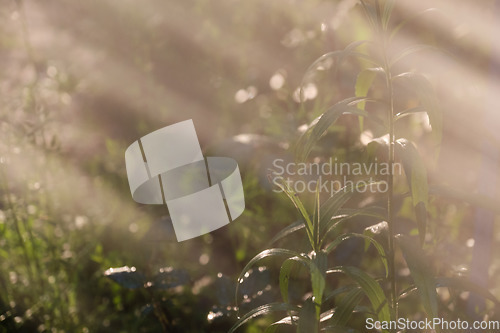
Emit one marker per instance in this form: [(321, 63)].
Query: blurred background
[(81, 80)]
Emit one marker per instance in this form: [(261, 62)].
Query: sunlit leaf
[(169, 278), (363, 83), (345, 308), (287, 321), (371, 14), (307, 317), (428, 99), (421, 274), (464, 284), (318, 269), (414, 18), (411, 50), (288, 230), (330, 247), (339, 56), (127, 277), (416, 175), (338, 329), (318, 127), (371, 289), (409, 112), (265, 254), (331, 207), (386, 16), (285, 187), (379, 230), (263, 310), (316, 218), (459, 284), (285, 271)]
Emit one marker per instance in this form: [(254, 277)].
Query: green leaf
[(416, 175), (421, 274), (307, 317), (363, 83), (126, 277), (379, 230), (288, 230), (285, 272), (409, 112), (371, 15), (339, 329), (465, 284), (339, 56), (345, 307), (458, 283), (282, 322), (369, 239), (316, 219), (331, 207), (421, 214), (262, 255), (412, 50), (414, 18), (262, 310), (168, 278), (319, 126), (386, 16), (318, 267), (300, 207), (428, 99), (371, 289)]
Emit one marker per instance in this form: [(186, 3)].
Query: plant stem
[(390, 208), (390, 182), (382, 34)]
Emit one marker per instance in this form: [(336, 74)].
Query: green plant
[(166, 278), (385, 293)]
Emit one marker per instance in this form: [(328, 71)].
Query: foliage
[(312, 314)]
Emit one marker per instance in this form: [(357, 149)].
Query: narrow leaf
[(288, 230), (126, 277), (307, 317), (428, 99), (260, 256), (388, 7), (318, 127), (168, 278), (409, 112), (345, 307), (369, 239), (412, 50), (285, 272), (371, 289), (464, 284), (421, 274), (287, 321), (263, 310), (363, 83), (416, 175), (300, 207)]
